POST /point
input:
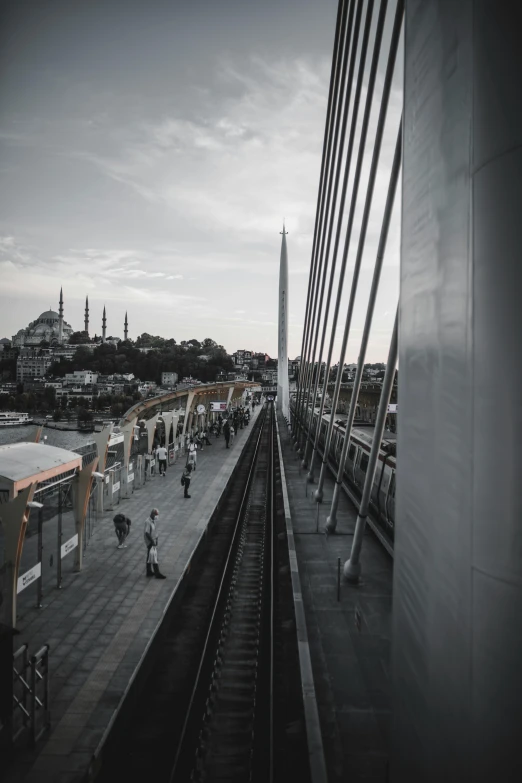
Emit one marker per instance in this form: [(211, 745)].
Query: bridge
[(407, 541)]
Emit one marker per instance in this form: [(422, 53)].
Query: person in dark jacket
[(185, 479), (226, 432), (122, 529)]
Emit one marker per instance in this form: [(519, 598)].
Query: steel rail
[(190, 717)]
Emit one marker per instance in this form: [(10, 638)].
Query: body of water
[(63, 439)]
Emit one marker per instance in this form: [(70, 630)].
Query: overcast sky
[(149, 151)]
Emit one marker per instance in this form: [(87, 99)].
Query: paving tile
[(101, 621), (351, 667)]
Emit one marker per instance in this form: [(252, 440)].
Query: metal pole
[(353, 204), (39, 585), (319, 194), (338, 578), (59, 553), (333, 109), (392, 187), (327, 214), (330, 216), (351, 139), (352, 567)]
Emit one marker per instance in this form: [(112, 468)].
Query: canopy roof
[(22, 464)]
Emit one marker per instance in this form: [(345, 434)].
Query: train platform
[(100, 624), (349, 639)]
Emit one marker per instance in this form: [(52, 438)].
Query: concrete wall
[(457, 618)]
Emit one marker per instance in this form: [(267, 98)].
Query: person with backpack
[(122, 529), (185, 478)]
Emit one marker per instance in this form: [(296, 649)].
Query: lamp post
[(39, 586)]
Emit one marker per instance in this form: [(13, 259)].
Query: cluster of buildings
[(246, 362)]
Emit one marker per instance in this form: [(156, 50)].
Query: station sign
[(29, 577), (69, 545), (218, 406), (115, 487), (392, 407), (115, 439)]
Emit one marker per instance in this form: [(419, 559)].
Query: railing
[(31, 715)]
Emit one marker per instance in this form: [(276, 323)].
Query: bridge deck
[(350, 664), (99, 625)]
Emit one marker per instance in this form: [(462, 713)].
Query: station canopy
[(22, 464)]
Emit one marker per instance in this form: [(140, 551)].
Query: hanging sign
[(29, 577), (69, 545), (218, 406)]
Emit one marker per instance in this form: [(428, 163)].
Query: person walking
[(232, 433), (205, 437), (151, 542), (161, 456), (122, 529), (185, 478), (226, 432)]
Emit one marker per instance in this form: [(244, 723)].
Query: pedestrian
[(185, 478), (232, 433), (205, 437), (122, 528), (192, 454), (226, 432), (151, 542), (161, 455)]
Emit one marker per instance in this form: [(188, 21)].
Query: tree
[(77, 338)]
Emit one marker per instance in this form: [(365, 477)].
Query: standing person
[(151, 542), (205, 437), (226, 432), (232, 432), (161, 455), (185, 478), (192, 454), (122, 529)]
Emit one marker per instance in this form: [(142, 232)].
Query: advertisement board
[(218, 406)]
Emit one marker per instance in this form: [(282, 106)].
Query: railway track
[(223, 697)]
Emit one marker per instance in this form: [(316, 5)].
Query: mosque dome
[(49, 315), (45, 327)]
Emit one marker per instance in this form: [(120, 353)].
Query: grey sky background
[(149, 151)]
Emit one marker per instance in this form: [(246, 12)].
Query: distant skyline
[(148, 160)]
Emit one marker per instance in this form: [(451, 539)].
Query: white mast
[(282, 350)]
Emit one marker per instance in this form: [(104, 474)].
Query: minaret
[(60, 322), (87, 314), (283, 401), (104, 325), (126, 328)]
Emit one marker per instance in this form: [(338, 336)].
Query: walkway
[(349, 639), (100, 624)]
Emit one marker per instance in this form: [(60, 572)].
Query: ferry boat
[(11, 419)]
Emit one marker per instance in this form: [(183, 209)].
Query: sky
[(149, 152)]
